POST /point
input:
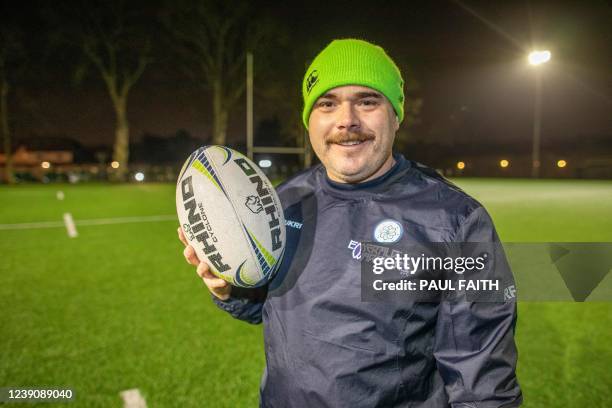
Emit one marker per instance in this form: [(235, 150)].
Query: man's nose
[(348, 118)]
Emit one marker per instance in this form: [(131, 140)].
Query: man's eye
[(325, 104), (368, 102)]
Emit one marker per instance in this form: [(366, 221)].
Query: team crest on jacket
[(388, 231)]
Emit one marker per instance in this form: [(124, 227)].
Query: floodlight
[(539, 57)]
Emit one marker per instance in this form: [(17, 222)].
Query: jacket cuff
[(229, 305), (489, 404)]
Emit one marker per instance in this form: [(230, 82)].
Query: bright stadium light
[(504, 163), (561, 163), (265, 163), (139, 176), (536, 58), (539, 57), (461, 165), (115, 164), (45, 165)]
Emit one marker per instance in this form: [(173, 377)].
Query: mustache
[(344, 137)]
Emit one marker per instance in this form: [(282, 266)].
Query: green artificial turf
[(118, 307), (565, 357)]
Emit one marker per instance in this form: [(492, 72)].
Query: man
[(324, 346)]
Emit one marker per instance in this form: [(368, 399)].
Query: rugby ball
[(231, 215)]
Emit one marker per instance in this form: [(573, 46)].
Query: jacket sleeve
[(474, 348), (244, 304)]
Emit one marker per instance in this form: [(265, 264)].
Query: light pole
[(537, 58)]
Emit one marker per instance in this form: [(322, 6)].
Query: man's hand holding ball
[(217, 286)]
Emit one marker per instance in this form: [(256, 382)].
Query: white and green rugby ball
[(231, 215)]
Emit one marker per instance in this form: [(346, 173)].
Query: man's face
[(352, 129)]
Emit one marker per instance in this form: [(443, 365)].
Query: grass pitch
[(118, 307)]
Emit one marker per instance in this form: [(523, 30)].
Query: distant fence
[(76, 173), (79, 173), (471, 167)]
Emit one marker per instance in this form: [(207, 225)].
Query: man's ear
[(397, 123)]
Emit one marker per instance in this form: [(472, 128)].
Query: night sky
[(468, 59)]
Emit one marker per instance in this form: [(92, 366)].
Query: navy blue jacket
[(326, 348)]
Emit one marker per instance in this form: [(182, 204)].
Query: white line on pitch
[(32, 225), (70, 227), (133, 399), (124, 220), (95, 221)]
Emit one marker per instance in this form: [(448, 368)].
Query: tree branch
[(112, 57), (130, 78), (234, 95), (110, 79)]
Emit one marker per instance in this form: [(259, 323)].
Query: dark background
[(464, 62)]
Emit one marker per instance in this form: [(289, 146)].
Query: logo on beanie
[(312, 80)]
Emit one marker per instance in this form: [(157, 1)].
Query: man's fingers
[(217, 286), (191, 256), (215, 283), (211, 280), (181, 235), (204, 271)]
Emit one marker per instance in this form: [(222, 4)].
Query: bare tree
[(113, 40), (212, 38)]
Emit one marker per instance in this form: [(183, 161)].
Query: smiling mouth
[(352, 142)]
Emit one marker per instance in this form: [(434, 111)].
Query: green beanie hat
[(353, 62)]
